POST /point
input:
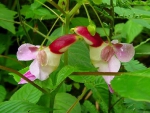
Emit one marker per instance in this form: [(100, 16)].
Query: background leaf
[(63, 101), (2, 93), (27, 93), (18, 106), (133, 85), (7, 15)]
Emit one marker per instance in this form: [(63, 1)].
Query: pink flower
[(45, 59), (105, 57)]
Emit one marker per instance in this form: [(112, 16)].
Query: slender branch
[(87, 13), (51, 10), (12, 59), (101, 24), (35, 30), (19, 74), (112, 19), (115, 103), (79, 98), (142, 43), (56, 6), (10, 21), (98, 73), (75, 8), (20, 18)]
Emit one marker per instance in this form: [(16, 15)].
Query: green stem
[(89, 18), (19, 74), (51, 10), (35, 30), (112, 19), (56, 6), (142, 43), (79, 98), (99, 73), (10, 21), (101, 24), (75, 8), (20, 18), (14, 5)]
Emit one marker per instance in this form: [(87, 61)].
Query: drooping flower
[(45, 59), (104, 56)]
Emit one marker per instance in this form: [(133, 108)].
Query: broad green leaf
[(143, 49), (17, 77), (28, 93), (64, 73), (39, 13), (2, 93), (134, 65), (97, 2), (37, 3), (130, 13), (133, 85), (79, 21), (7, 15), (102, 32), (131, 30), (100, 92), (89, 107), (63, 101), (78, 56), (118, 28), (142, 22), (82, 79), (18, 106)]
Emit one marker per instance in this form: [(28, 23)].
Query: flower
[(45, 59), (104, 56)]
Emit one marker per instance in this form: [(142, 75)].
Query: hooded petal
[(125, 52), (29, 76), (26, 52)]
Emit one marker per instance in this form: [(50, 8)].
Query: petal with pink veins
[(125, 52), (27, 52), (29, 76)]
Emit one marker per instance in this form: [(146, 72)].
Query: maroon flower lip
[(93, 41), (63, 42)]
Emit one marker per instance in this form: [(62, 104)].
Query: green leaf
[(17, 77), (2, 93), (36, 4), (102, 32), (64, 73), (131, 30), (63, 101), (133, 65), (28, 93), (7, 15), (142, 22), (89, 107), (133, 85), (130, 13), (100, 92), (97, 2), (79, 21), (143, 49), (17, 106), (83, 61)]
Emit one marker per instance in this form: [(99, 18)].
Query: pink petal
[(29, 76), (112, 66), (35, 68), (39, 71), (125, 52), (26, 52)]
